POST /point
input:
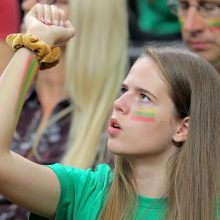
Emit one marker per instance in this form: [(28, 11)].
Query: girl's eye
[(145, 98), (123, 90)]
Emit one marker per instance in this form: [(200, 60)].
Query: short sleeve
[(82, 191)]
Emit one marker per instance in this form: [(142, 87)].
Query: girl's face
[(143, 122)]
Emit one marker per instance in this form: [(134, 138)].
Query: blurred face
[(142, 123), (201, 28)]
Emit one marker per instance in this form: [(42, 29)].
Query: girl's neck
[(151, 181), (150, 174)]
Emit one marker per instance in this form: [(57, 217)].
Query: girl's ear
[(182, 128)]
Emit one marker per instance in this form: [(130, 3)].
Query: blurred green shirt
[(156, 18)]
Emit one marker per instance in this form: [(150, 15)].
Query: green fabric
[(83, 192), (156, 18)]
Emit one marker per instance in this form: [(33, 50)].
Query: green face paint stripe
[(145, 114), (214, 24), (30, 68)]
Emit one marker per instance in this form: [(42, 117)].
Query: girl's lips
[(114, 127), (113, 131)]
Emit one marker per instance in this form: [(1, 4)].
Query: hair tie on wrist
[(46, 56)]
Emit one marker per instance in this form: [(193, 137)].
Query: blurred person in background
[(42, 133), (200, 27), (150, 20), (98, 54), (156, 131)]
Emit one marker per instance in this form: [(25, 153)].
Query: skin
[(28, 4), (50, 85), (148, 138), (147, 145), (16, 173), (41, 185), (200, 38), (29, 72)]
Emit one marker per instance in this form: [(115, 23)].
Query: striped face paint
[(214, 24), (31, 66), (144, 114), (181, 20)]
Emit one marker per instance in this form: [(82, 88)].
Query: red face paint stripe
[(214, 28), (141, 118)]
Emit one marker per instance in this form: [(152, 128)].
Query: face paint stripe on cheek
[(181, 20), (214, 24), (144, 114)]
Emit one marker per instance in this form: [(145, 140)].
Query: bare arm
[(30, 185)]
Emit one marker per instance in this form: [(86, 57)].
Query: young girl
[(164, 131)]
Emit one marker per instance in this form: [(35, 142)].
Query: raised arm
[(30, 185)]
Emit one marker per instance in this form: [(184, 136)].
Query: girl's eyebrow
[(141, 90)]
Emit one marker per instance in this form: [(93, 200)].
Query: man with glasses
[(200, 27)]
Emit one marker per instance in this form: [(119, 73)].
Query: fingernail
[(42, 20), (48, 21)]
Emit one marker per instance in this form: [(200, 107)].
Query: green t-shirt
[(156, 17), (83, 192)]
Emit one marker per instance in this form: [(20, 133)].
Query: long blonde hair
[(96, 64), (193, 172)]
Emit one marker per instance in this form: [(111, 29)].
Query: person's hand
[(49, 23)]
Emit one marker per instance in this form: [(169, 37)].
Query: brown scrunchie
[(47, 57)]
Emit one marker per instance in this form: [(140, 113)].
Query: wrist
[(46, 56), (42, 36)]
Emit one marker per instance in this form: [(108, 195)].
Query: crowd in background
[(59, 117), (42, 134)]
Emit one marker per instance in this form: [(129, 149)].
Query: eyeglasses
[(49, 2), (207, 9)]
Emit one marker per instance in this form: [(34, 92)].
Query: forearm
[(14, 84), (17, 173)]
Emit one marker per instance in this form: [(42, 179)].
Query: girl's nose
[(122, 104)]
